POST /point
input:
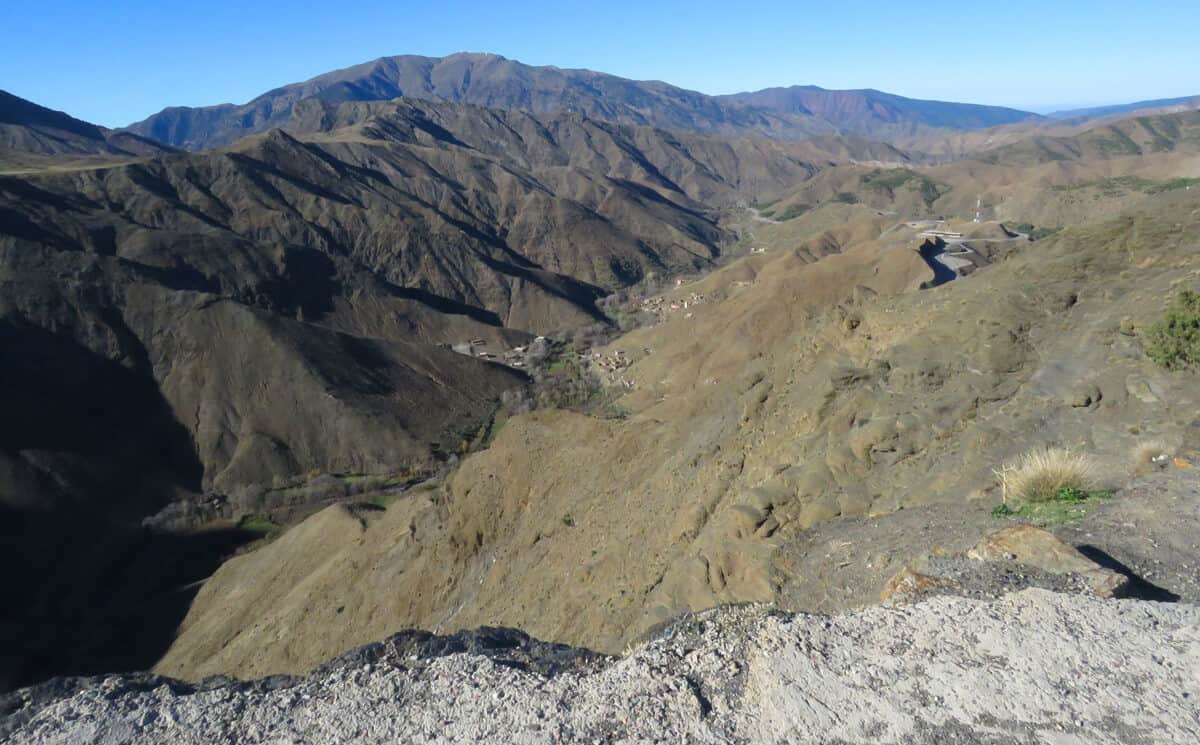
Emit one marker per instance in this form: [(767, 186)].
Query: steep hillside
[(28, 131), (874, 113), (198, 324), (805, 388)]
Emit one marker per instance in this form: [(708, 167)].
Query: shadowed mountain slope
[(27, 129), (197, 323), (410, 222)]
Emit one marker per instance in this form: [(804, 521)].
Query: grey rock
[(1034, 666)]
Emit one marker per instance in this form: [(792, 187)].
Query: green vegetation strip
[(259, 523), (1067, 505), (1118, 185)]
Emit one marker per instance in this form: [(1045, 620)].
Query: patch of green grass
[(890, 180), (1174, 340), (1109, 187), (1067, 505), (1172, 185), (260, 523), (792, 211), (493, 428), (1038, 234), (1033, 230), (384, 499), (1120, 185), (1119, 144), (845, 197)]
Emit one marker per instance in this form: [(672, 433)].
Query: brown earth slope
[(196, 323), (417, 224), (818, 385)]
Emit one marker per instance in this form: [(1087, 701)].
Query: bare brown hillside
[(806, 393), (181, 328)]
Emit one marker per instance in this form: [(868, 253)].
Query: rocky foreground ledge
[(1035, 666)]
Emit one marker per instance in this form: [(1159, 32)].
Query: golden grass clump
[(1151, 454), (1044, 475)]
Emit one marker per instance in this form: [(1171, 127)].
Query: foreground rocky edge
[(1034, 666)]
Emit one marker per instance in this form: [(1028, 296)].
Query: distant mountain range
[(1099, 141), (873, 113), (490, 80), (1096, 112)]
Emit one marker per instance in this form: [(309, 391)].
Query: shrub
[(1046, 475), (1174, 341)]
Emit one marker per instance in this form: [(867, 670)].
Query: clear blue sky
[(113, 62)]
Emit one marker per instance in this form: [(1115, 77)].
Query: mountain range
[(493, 81), (1181, 103), (212, 315), (872, 113), (192, 323)]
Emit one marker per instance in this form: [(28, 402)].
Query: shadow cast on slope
[(88, 448), (107, 603), (1138, 588), (942, 274)]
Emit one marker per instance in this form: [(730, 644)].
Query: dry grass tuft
[(1150, 455), (1043, 475)]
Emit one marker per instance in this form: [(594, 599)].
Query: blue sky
[(116, 62)]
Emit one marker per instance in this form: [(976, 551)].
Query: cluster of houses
[(661, 307), (514, 357), (611, 366)]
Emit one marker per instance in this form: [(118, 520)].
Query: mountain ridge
[(872, 112), (30, 130), (497, 82), (1096, 112)]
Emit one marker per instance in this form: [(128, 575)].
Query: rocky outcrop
[(1013, 558), (1034, 666)]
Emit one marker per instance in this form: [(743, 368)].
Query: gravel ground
[(1034, 666)]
